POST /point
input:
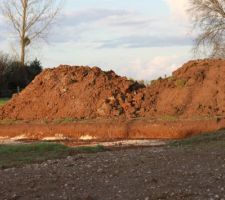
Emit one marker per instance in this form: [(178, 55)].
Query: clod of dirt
[(196, 89)]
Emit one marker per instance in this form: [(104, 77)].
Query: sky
[(139, 39)]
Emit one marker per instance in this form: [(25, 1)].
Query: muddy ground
[(169, 172)]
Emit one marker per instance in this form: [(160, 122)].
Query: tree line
[(13, 77)]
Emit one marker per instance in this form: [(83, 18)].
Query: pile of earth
[(196, 89), (75, 92)]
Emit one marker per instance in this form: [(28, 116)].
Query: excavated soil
[(106, 130), (74, 92), (194, 91)]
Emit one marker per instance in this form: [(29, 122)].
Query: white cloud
[(178, 9), (104, 17), (89, 25), (142, 41), (157, 67)]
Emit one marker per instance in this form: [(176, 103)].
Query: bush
[(34, 68), (14, 76)]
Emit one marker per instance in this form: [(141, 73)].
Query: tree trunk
[(23, 33), (22, 54)]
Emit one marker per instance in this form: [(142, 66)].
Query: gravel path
[(129, 174)]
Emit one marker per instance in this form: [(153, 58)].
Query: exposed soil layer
[(196, 89), (106, 130), (143, 173)]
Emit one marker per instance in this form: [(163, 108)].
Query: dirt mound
[(74, 92), (197, 89)]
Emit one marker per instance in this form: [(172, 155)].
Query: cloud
[(5, 32), (86, 25), (110, 16), (158, 66), (178, 9), (119, 28), (147, 41), (2, 24)]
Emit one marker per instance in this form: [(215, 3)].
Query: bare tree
[(31, 19), (209, 19)]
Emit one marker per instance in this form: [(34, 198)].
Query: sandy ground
[(129, 174)]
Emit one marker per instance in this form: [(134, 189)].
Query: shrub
[(13, 75), (34, 68)]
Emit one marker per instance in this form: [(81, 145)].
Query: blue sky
[(140, 39)]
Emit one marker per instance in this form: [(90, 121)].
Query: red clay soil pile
[(197, 89), (74, 92)]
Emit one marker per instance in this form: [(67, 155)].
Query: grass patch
[(64, 120), (20, 154), (180, 83), (3, 101), (153, 82), (168, 118), (171, 78), (216, 139), (10, 121)]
